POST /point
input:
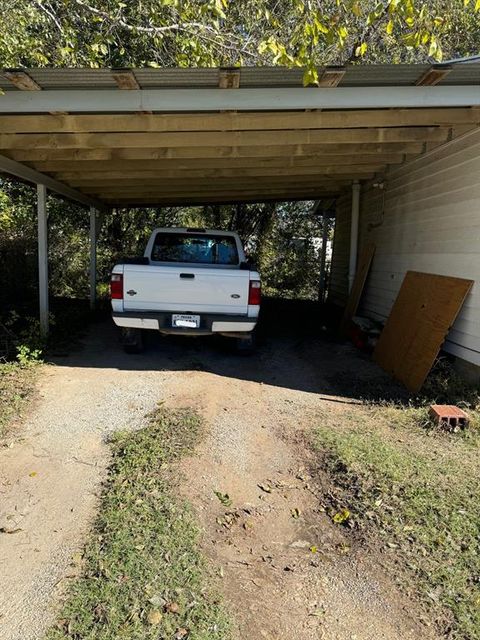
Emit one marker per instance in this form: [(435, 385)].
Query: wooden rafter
[(229, 78), (125, 79), (21, 80), (331, 77), (434, 75), (211, 156), (208, 190), (202, 199), (305, 193), (229, 174), (220, 138)]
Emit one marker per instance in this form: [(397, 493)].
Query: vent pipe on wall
[(354, 233)]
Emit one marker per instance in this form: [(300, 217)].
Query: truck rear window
[(201, 249)]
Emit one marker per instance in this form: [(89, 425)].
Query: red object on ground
[(447, 415), (358, 337)]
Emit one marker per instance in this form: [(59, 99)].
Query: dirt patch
[(285, 568), (286, 571), (16, 391)]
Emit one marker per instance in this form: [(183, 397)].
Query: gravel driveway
[(51, 470), (257, 410)]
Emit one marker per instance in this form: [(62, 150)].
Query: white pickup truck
[(190, 281)]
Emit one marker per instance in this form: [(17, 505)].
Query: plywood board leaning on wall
[(361, 274), (424, 311)]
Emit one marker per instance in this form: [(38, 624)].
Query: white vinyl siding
[(430, 223)]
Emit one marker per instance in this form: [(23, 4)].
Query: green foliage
[(282, 239), (143, 575), (27, 357), (289, 254), (224, 32)]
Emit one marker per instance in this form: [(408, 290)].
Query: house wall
[(426, 219)]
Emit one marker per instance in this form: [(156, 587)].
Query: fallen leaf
[(224, 498), (32, 474), (154, 617), (180, 634), (341, 517), (313, 549), (172, 607), (295, 513), (157, 601)]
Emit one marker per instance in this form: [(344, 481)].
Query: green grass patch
[(16, 387), (144, 577), (416, 492)]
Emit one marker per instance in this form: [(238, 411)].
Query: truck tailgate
[(185, 289)]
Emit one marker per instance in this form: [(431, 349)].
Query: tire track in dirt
[(286, 571), (257, 410)]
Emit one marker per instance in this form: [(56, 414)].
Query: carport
[(154, 137)]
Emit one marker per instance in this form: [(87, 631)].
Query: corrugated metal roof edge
[(356, 75)]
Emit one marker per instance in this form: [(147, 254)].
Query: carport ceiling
[(184, 136)]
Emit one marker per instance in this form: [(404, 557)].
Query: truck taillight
[(255, 292), (116, 286)]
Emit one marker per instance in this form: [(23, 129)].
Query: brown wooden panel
[(424, 311), (361, 274)]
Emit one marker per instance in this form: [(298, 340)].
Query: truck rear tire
[(132, 340)]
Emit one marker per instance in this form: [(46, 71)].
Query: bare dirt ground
[(257, 412)]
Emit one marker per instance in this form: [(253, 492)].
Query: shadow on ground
[(298, 349)]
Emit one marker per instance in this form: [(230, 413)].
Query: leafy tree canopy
[(307, 33)]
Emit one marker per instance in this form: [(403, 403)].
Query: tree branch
[(193, 29)]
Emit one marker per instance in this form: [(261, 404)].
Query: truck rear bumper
[(209, 323)]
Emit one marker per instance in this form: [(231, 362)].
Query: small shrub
[(27, 357)]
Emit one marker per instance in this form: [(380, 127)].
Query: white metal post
[(93, 258), (354, 233), (42, 257), (323, 258)]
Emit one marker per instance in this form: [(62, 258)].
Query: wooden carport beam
[(61, 159), (220, 138), (230, 199), (434, 75), (238, 121), (150, 159), (21, 80)]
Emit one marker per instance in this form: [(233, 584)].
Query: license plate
[(185, 320)]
